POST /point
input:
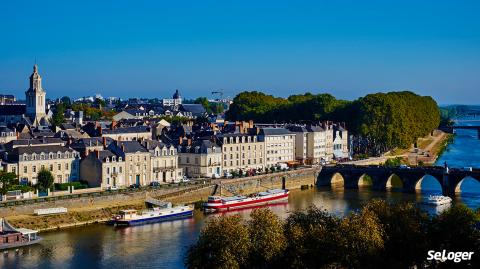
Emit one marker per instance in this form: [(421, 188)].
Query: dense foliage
[(381, 121), (260, 107), (45, 180), (381, 235), (7, 180)]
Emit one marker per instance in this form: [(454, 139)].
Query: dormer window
[(59, 155), (119, 159), (113, 159), (107, 160)]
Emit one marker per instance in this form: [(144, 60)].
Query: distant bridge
[(465, 127), (405, 179)]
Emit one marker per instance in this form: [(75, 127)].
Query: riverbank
[(429, 149), (88, 211)]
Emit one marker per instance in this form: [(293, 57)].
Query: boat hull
[(215, 207), (180, 215)]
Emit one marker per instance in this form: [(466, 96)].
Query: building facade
[(202, 158), (103, 168), (241, 152), (164, 162), (279, 145), (27, 161), (137, 161)]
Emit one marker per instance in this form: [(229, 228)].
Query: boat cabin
[(127, 214), (11, 237), (214, 199)]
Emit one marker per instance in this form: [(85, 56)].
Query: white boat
[(437, 200), (135, 217)]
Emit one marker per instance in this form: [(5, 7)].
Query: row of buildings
[(141, 149), (124, 160)]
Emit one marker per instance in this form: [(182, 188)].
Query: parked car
[(227, 175), (215, 176), (134, 186), (112, 188), (185, 179), (469, 169), (154, 184)]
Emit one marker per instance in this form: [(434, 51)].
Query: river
[(163, 245)]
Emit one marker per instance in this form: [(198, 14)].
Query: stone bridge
[(405, 179)]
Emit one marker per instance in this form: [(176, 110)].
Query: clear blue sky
[(150, 48)]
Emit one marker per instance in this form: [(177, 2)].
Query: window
[(120, 169), (51, 167), (66, 166), (59, 167), (25, 169), (34, 169), (108, 170)]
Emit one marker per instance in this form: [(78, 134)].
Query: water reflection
[(163, 245)]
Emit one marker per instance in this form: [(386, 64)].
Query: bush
[(76, 185), (381, 235)]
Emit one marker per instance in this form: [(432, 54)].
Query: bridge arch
[(428, 183), (337, 180), (394, 182), (473, 185), (365, 181)]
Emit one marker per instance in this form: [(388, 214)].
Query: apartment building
[(202, 158), (103, 168), (27, 161), (163, 162), (279, 145), (241, 152), (137, 161)]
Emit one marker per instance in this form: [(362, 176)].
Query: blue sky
[(150, 48)]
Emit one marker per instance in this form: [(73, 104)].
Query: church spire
[(35, 80)]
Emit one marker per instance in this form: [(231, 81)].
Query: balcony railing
[(165, 168)]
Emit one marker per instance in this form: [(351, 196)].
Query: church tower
[(35, 98)]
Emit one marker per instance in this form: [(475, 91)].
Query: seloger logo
[(448, 256)]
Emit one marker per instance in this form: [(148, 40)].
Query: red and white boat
[(218, 203)]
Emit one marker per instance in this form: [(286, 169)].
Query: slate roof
[(83, 143), (5, 129), (124, 130), (274, 131), (195, 109), (204, 146), (128, 147), (13, 109)]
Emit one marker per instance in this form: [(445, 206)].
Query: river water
[(163, 245)]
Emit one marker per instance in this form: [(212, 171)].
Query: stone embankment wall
[(293, 179), (85, 210)]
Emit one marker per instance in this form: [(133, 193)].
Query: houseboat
[(218, 203), (136, 217), (11, 237)]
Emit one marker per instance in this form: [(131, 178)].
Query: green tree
[(58, 116), (456, 229), (7, 180), (405, 237), (204, 102), (223, 243), (66, 100), (267, 238), (45, 180)]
